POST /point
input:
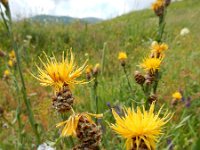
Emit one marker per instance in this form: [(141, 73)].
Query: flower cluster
[(151, 65), (63, 75)]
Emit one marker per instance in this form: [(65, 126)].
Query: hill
[(63, 19)]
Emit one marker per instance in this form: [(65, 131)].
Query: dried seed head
[(139, 78), (152, 98), (89, 134), (63, 100)]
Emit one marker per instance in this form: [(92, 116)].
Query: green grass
[(132, 33)]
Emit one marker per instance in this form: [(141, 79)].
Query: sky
[(103, 9)]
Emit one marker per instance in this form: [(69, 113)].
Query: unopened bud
[(149, 79), (152, 98), (96, 69), (139, 78)]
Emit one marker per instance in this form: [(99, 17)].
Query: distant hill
[(64, 19)]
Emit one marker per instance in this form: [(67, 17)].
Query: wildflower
[(12, 55), (57, 73), (157, 49), (151, 64), (122, 57), (6, 74), (96, 69), (10, 63), (141, 129), (82, 126), (177, 96), (89, 72), (61, 75), (158, 7), (184, 31)]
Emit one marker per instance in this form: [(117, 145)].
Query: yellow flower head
[(56, 73), (122, 56), (70, 125), (12, 55), (157, 4), (6, 74), (10, 63), (96, 69), (158, 48), (140, 127), (177, 96), (151, 64), (89, 69)]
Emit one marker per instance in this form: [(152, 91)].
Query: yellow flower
[(177, 96), (140, 128), (12, 55), (157, 5), (72, 122), (56, 73), (10, 63), (158, 48), (122, 56), (96, 69), (88, 70), (6, 74), (151, 64)]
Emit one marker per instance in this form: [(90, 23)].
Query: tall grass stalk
[(32, 121), (103, 58)]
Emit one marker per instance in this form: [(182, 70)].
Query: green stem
[(18, 116), (95, 95), (103, 58), (127, 78), (23, 89)]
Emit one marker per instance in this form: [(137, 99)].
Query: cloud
[(76, 8)]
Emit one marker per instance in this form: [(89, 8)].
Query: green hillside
[(100, 43)]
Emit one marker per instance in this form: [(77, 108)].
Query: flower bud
[(139, 78)]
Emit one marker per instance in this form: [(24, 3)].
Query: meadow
[(27, 118)]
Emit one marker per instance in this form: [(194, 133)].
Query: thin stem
[(127, 78), (95, 95), (23, 89)]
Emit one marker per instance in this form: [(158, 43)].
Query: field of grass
[(100, 43)]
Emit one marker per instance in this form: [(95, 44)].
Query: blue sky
[(76, 8)]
